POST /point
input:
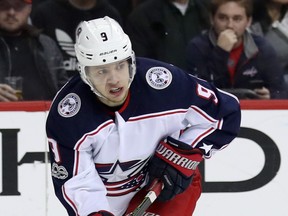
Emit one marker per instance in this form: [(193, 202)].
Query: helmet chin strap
[(94, 89)]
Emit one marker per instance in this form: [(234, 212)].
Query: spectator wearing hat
[(26, 53)]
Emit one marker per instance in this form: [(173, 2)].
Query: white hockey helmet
[(102, 41)]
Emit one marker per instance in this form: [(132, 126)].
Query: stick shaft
[(150, 197)]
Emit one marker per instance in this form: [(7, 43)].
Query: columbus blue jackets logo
[(69, 106), (158, 77), (123, 178)]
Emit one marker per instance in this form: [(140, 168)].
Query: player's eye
[(102, 72), (121, 65)]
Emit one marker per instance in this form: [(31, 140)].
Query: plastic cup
[(16, 82)]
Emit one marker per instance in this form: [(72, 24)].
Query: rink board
[(247, 178)]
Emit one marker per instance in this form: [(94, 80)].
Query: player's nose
[(113, 77)]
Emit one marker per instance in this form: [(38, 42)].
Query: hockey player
[(125, 121)]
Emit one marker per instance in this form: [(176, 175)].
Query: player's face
[(111, 81), (231, 16), (14, 15)]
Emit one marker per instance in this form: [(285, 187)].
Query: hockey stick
[(150, 197)]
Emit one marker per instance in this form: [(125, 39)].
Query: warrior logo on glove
[(179, 161), (174, 163)]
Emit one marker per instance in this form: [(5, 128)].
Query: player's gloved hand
[(174, 163), (101, 213)]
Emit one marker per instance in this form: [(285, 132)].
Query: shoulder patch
[(158, 77), (59, 172), (69, 106)]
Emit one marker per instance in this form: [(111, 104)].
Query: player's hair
[(247, 4)]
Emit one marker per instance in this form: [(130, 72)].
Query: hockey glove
[(101, 213), (174, 163)]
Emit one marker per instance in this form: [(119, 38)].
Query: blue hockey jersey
[(99, 156)]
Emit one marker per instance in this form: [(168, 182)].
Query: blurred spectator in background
[(125, 7), (161, 29), (270, 19), (59, 19), (36, 2), (32, 57), (232, 58)]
